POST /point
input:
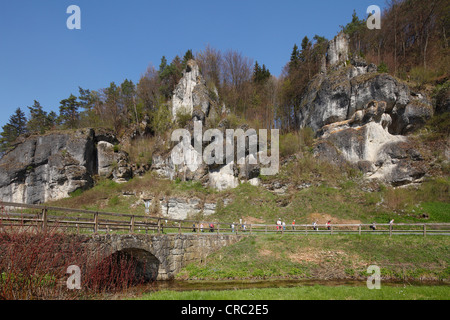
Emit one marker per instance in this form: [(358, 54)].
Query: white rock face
[(183, 97), (182, 208), (105, 156), (338, 49), (46, 168), (223, 178)]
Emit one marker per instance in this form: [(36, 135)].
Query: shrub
[(422, 75), (182, 118), (383, 68), (33, 266)]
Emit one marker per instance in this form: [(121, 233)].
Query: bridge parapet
[(160, 257)]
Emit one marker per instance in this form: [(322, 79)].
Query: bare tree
[(237, 75), (210, 61)]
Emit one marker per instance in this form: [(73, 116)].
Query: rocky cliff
[(51, 166), (363, 117), (359, 116), (43, 168), (192, 95)]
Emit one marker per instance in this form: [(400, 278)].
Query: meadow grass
[(326, 257), (316, 292)]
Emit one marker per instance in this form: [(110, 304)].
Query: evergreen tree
[(38, 122), (68, 112), (306, 48), (85, 99), (16, 126), (355, 25), (128, 94), (162, 65), (260, 74), (187, 56), (169, 75), (52, 119), (295, 58)]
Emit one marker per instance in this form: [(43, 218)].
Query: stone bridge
[(159, 257)]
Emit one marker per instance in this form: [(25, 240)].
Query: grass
[(323, 257), (316, 292)]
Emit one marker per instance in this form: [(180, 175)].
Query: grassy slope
[(327, 257)]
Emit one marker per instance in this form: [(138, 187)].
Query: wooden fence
[(86, 221)]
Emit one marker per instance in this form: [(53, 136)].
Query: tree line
[(413, 42)]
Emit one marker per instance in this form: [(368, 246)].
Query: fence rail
[(87, 221)]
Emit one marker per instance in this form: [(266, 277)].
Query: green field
[(316, 292), (323, 257)]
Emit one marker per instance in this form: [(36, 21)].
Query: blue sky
[(41, 59)]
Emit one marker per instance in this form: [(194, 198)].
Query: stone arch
[(147, 265), (138, 249)]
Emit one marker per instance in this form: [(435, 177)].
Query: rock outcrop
[(52, 166), (48, 167), (363, 117), (191, 94), (113, 163)]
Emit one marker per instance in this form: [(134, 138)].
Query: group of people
[(201, 227), (280, 225), (243, 225)]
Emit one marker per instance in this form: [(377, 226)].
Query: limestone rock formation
[(363, 117), (48, 167), (51, 166), (112, 163), (192, 93), (193, 96), (338, 49)]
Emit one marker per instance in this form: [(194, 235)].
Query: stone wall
[(163, 255)]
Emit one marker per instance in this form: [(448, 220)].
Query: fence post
[(159, 225), (179, 227), (251, 229), (132, 224), (424, 230), (218, 227), (390, 230), (96, 222), (266, 229), (359, 229), (44, 220)]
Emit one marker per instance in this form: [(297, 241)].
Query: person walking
[(315, 226), (329, 225), (293, 225), (279, 224), (284, 225)]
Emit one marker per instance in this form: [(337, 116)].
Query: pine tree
[(128, 93), (16, 126), (260, 74), (38, 122), (295, 57), (85, 99), (187, 56), (68, 112), (306, 48)]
